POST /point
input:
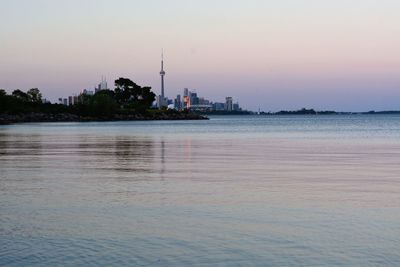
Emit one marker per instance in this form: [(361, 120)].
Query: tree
[(20, 95), (130, 95), (107, 92), (147, 97), (102, 103), (34, 95), (3, 100)]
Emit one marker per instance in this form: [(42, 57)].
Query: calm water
[(231, 191)]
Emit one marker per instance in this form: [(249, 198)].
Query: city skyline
[(190, 100), (266, 54)]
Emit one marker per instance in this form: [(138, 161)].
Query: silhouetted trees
[(302, 111), (103, 103), (20, 95), (34, 95), (132, 96), (127, 98)]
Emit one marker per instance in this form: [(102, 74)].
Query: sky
[(339, 55)]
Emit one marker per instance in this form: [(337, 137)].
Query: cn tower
[(162, 73)]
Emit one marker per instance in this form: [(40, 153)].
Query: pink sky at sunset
[(341, 55)]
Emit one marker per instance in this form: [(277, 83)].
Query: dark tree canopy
[(20, 102), (34, 95), (130, 95), (128, 98), (103, 104), (20, 95)]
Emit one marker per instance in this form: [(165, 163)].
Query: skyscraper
[(228, 103), (185, 99), (236, 106), (102, 85), (178, 102)]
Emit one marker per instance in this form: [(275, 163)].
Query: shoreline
[(39, 117), (6, 119)]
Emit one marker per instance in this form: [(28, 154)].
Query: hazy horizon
[(334, 55)]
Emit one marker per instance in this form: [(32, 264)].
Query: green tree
[(103, 104), (34, 95), (3, 100), (20, 95), (84, 99), (132, 96), (147, 97)]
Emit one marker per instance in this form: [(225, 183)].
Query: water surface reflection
[(233, 191)]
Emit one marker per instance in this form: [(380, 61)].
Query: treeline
[(302, 111), (385, 112), (126, 98), (21, 102)]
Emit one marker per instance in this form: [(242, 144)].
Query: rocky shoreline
[(68, 117)]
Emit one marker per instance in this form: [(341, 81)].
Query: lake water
[(231, 191)]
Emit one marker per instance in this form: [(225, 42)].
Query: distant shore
[(303, 111), (328, 112), (68, 117)]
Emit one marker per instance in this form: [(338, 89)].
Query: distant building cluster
[(75, 99), (188, 101), (191, 101)]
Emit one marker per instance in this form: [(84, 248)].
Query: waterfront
[(231, 191)]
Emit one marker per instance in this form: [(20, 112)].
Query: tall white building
[(228, 103), (102, 85)]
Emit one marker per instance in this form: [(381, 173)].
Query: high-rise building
[(178, 103), (194, 100), (87, 92), (102, 85), (72, 100), (186, 99), (236, 106), (218, 106), (203, 101), (228, 103)]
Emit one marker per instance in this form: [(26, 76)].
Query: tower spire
[(162, 59), (162, 73)]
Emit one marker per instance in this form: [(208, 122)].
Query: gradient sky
[(287, 54)]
